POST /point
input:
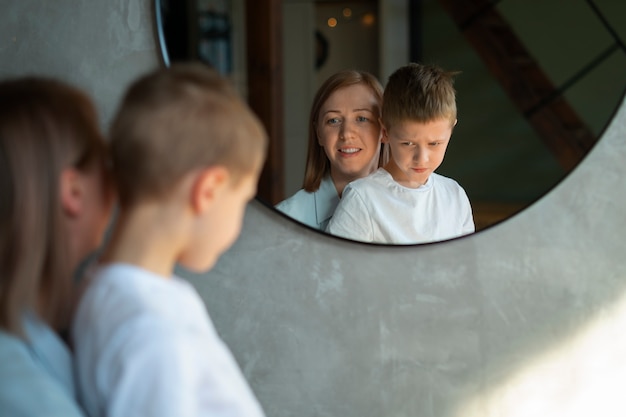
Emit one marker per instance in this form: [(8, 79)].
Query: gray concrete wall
[(527, 318), (99, 46)]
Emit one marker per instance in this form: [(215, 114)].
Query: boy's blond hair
[(421, 93), (178, 119)]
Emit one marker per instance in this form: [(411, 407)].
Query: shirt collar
[(326, 200)]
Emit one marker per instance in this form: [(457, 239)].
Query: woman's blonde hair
[(317, 164), (45, 127)]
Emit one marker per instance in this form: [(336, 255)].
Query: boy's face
[(417, 149), (349, 131), (220, 226)]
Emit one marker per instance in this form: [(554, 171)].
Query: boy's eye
[(434, 143), (407, 143)]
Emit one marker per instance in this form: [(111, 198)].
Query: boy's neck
[(148, 236), (400, 177)]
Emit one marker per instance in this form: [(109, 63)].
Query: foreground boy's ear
[(208, 184), (71, 189)]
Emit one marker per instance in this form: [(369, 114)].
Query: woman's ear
[(208, 184), (384, 136), (71, 189)]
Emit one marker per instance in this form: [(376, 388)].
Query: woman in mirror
[(55, 204), (344, 145)]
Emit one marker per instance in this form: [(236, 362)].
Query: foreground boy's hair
[(421, 93), (175, 121)]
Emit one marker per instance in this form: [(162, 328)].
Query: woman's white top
[(36, 374), (313, 209)]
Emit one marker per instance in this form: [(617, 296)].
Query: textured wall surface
[(527, 318), (97, 45)]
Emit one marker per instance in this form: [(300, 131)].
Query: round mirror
[(537, 84)]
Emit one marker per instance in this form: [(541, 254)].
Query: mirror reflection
[(535, 89)]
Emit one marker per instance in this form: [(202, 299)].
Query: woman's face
[(349, 131)]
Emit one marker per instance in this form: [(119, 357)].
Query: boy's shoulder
[(380, 182), (119, 279), (441, 181), (123, 292), (375, 180), (449, 189)]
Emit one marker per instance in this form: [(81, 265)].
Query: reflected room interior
[(537, 85)]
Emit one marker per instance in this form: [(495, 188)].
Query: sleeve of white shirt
[(468, 223), (163, 376), (351, 219)]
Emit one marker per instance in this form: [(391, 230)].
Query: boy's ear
[(71, 190), (453, 126), (208, 184)]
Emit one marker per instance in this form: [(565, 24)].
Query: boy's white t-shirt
[(145, 346), (377, 209)]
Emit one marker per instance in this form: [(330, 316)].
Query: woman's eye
[(362, 119), (333, 121)]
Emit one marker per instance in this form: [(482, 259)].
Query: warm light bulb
[(368, 19)]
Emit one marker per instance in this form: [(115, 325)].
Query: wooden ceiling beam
[(561, 129)]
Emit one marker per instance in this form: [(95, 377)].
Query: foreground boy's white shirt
[(145, 346), (378, 209)]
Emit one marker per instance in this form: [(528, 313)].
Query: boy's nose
[(419, 155)]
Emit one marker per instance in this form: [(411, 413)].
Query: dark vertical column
[(415, 31), (265, 87), (175, 30)]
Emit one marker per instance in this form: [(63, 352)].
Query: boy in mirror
[(406, 201)]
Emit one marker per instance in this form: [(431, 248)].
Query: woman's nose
[(347, 129)]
